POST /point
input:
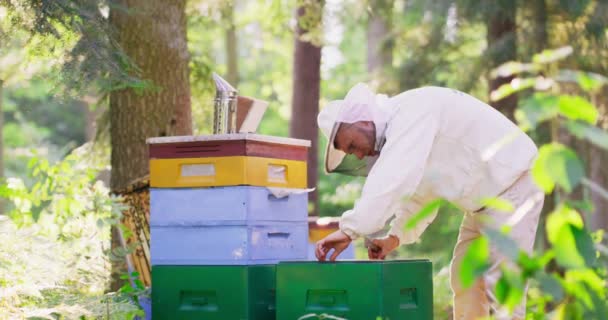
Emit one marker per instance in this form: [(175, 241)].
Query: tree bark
[(501, 40), (1, 143), (539, 43), (231, 45), (379, 40), (541, 37), (305, 99), (153, 34), (598, 172)]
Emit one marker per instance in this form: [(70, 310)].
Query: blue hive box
[(224, 206), (229, 245), (227, 226)]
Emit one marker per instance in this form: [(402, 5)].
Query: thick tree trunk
[(501, 40), (305, 100), (231, 45), (379, 40), (153, 34)]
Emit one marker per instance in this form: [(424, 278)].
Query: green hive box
[(213, 292), (366, 290)]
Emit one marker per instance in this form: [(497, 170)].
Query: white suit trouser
[(478, 301)]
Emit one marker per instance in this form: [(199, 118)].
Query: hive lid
[(232, 136)]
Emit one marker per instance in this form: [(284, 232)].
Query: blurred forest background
[(85, 82)]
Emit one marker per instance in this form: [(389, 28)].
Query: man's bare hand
[(338, 241), (380, 248)]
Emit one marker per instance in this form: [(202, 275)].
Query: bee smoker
[(224, 107)]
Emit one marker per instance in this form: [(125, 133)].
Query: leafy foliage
[(53, 252), (576, 289), (56, 206), (78, 34)]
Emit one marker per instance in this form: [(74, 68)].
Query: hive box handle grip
[(278, 235), (200, 301), (272, 197), (327, 301)]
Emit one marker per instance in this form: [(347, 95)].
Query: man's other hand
[(379, 248), (338, 241)]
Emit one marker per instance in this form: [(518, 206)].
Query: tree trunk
[(379, 40), (1, 144), (598, 172), (305, 99), (539, 8), (501, 40), (153, 34), (231, 45), (539, 43)]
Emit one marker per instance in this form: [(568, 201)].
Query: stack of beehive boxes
[(220, 221)]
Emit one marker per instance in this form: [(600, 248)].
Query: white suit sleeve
[(404, 213), (397, 172)]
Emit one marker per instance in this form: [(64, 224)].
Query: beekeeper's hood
[(360, 104)]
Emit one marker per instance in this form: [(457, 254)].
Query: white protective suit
[(441, 143)]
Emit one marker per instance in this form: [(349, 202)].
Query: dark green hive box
[(366, 290), (213, 292)]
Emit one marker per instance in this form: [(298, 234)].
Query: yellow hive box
[(227, 171), (319, 228)]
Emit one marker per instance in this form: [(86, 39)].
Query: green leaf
[(516, 85), (581, 282), (509, 288), (529, 265), (557, 164), (568, 311), (560, 231), (562, 215), (503, 243), (139, 284), (510, 68), (584, 245), (592, 134), (475, 261), (551, 285), (502, 289), (582, 205), (429, 209), (37, 210), (536, 109), (588, 81), (552, 55), (600, 305), (577, 108), (498, 204)]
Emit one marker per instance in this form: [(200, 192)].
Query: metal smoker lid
[(222, 87)]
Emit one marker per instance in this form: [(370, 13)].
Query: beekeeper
[(422, 145)]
